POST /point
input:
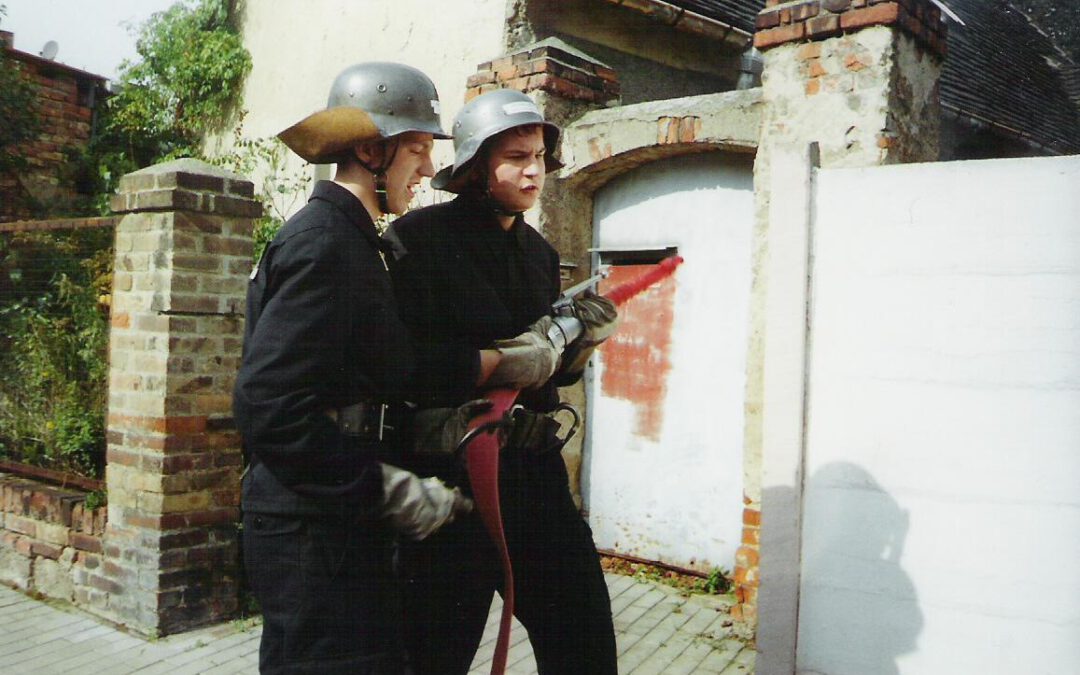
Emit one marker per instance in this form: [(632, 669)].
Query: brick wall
[(51, 543), (66, 98), (782, 22), (165, 556)]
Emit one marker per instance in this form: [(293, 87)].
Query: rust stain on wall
[(636, 357)]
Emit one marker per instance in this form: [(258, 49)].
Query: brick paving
[(658, 631)]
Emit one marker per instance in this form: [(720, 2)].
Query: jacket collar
[(481, 217), (347, 203)]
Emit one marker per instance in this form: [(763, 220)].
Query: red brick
[(852, 62), (879, 15), (805, 11), (823, 27), (811, 50), (477, 79), (50, 551), (688, 129), (153, 424), (85, 542), (766, 20), (751, 517), (778, 36), (815, 69)]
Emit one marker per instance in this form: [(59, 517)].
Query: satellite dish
[(49, 50)]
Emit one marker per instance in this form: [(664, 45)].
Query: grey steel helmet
[(398, 98), (487, 116), (368, 101)]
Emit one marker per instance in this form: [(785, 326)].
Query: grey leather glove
[(528, 360), (439, 430), (417, 507), (600, 318)]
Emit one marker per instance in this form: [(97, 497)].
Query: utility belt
[(371, 421), (530, 432)]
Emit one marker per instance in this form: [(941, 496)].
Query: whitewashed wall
[(298, 47), (941, 528), (677, 496)]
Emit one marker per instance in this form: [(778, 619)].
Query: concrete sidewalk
[(657, 630)]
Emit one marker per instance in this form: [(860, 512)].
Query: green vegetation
[(716, 583), (277, 188), (54, 335), (185, 84)]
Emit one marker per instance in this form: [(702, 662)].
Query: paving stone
[(658, 632)]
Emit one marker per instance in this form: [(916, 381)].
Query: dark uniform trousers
[(560, 595), (462, 281), (328, 602)]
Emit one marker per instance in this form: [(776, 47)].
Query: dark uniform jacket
[(322, 333), (463, 282)]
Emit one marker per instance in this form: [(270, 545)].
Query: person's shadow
[(858, 611)]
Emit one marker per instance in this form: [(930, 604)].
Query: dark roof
[(49, 65), (738, 13), (1001, 71)]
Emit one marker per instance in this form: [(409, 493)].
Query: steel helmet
[(367, 101), (487, 116)]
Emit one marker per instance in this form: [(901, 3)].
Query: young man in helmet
[(472, 275), (324, 352)]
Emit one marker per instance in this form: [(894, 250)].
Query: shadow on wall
[(858, 611)]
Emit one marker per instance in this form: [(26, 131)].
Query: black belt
[(370, 420)]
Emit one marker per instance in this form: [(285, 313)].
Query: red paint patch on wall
[(636, 359)]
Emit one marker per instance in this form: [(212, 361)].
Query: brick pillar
[(183, 253), (846, 83)]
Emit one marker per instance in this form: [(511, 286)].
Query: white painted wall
[(298, 47), (679, 498), (941, 529)]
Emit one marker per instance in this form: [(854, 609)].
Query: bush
[(54, 335)]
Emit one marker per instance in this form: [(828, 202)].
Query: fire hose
[(481, 443)]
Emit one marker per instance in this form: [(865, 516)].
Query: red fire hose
[(483, 463)]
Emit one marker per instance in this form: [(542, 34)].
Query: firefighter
[(475, 285), (324, 354)]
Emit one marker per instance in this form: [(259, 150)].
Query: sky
[(92, 34)]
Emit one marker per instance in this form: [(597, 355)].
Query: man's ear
[(370, 154)]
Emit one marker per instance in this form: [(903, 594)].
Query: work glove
[(440, 430), (528, 360), (417, 507), (600, 319)]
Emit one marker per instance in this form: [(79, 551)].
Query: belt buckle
[(383, 426), (361, 419)]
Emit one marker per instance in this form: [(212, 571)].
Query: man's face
[(411, 163), (516, 168)]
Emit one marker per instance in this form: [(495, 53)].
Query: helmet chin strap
[(490, 202), (378, 176)]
